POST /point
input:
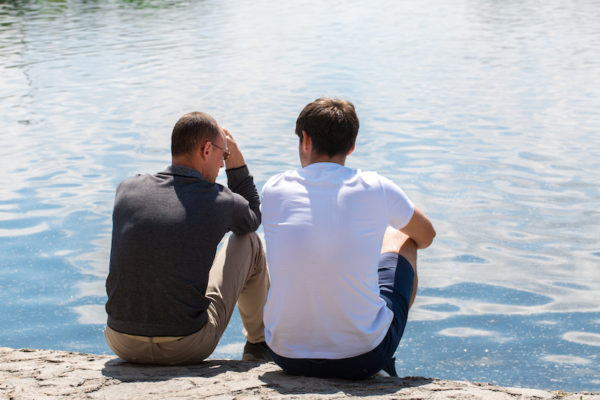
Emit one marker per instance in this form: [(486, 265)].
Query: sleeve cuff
[(236, 174)]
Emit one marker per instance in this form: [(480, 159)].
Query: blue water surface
[(484, 112)]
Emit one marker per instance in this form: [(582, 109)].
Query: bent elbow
[(431, 237), (420, 230), (427, 239)]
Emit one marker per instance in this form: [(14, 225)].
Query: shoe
[(257, 352), (390, 368)]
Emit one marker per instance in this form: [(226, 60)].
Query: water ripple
[(587, 338), (24, 231)]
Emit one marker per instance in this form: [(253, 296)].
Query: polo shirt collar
[(324, 171), (180, 170), (323, 166)]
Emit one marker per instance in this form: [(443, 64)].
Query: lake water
[(485, 112)]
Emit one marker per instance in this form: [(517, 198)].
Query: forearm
[(241, 182), (239, 179), (420, 229)]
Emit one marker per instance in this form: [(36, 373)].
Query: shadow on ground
[(128, 372), (285, 384), (270, 375)]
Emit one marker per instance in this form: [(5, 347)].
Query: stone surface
[(41, 374)]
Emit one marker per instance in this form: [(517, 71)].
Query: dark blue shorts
[(396, 277)]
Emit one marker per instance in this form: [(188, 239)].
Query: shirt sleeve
[(246, 213), (400, 208)]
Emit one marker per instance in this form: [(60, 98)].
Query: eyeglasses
[(226, 152)]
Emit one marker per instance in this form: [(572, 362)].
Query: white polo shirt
[(324, 225)]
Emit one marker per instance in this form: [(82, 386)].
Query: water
[(485, 112)]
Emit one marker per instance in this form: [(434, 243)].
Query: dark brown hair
[(192, 130), (331, 124)]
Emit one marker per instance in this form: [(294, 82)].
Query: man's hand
[(236, 159)]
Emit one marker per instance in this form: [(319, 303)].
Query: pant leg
[(239, 274), (396, 277)]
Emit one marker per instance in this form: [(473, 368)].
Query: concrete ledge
[(38, 374)]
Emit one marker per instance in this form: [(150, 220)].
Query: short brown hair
[(331, 124), (192, 130)]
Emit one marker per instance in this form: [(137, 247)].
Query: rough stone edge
[(33, 373)]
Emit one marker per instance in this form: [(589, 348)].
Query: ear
[(352, 149), (203, 151), (306, 142)]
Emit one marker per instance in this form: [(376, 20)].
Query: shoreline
[(35, 374)]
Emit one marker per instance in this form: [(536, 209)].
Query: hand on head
[(236, 159)]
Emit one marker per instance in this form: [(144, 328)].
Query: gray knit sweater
[(166, 228)]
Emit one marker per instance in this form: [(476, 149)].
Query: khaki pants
[(239, 274)]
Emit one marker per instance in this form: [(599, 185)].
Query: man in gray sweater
[(169, 298)]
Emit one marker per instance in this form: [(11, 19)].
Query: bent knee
[(395, 241), (251, 238)]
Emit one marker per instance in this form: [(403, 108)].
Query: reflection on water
[(484, 112)]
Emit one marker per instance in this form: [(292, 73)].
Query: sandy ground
[(41, 374)]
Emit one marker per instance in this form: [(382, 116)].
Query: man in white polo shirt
[(342, 251)]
